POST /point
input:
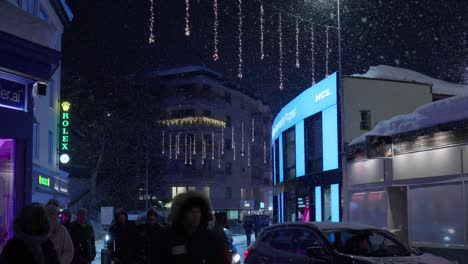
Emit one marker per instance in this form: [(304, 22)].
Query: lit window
[(365, 120)]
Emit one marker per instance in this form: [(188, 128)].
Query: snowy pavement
[(240, 242)]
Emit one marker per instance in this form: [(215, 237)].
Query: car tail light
[(246, 253)]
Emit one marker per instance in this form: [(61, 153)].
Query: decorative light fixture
[(187, 18), (66, 106), (215, 30), (239, 70), (195, 120), (280, 45), (262, 31), (297, 44), (64, 158), (253, 129), (152, 37)]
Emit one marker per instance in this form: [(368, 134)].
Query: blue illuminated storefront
[(305, 147)]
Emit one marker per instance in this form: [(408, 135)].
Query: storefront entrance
[(7, 176)]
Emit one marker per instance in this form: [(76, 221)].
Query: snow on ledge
[(394, 73), (428, 115)]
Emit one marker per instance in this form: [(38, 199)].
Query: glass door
[(7, 173)]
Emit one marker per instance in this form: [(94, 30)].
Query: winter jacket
[(83, 242), (21, 250), (248, 224), (149, 243), (63, 244), (124, 241)]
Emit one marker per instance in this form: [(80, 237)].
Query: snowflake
[(364, 19)]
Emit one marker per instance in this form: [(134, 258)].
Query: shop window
[(437, 215), (369, 208), (327, 204), (289, 154), (366, 120), (314, 143), (7, 191)]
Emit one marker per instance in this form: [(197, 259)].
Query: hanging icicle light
[(248, 154), (190, 150), (239, 70), (262, 31), (222, 141), (327, 43), (280, 45), (264, 152), (152, 37), (170, 145), (297, 44), (177, 146), (187, 18), (186, 150), (215, 30), (203, 148), (253, 129), (242, 135), (232, 137), (312, 53), (194, 143), (212, 145), (162, 149), (219, 154)]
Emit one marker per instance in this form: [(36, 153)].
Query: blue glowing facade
[(305, 136)]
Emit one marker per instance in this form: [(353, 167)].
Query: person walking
[(31, 243), (248, 227), (124, 237), (257, 225), (59, 236), (187, 239), (149, 240), (82, 235)]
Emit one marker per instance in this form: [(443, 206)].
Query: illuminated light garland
[(186, 149), (232, 137), (212, 145), (152, 37), (327, 43), (162, 149), (190, 150), (239, 70), (234, 152), (170, 145), (203, 148), (215, 30), (242, 133), (187, 18), (222, 141), (253, 129), (196, 120), (280, 45), (264, 152), (194, 143), (177, 146), (312, 53), (262, 31), (297, 44)]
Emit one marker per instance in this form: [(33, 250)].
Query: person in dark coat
[(82, 235), (187, 239), (248, 227), (149, 239), (65, 218), (257, 225), (123, 235), (31, 243)]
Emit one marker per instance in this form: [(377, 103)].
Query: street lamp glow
[(64, 158)]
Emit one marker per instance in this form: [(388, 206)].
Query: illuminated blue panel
[(274, 164), (313, 100), (279, 208), (282, 207), (330, 138), (335, 203), (281, 172), (318, 204), (300, 149)]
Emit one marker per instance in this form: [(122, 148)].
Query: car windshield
[(368, 243)]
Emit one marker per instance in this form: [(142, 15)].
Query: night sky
[(108, 39)]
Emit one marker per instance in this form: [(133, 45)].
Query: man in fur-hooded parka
[(187, 239)]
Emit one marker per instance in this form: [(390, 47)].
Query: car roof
[(323, 225)]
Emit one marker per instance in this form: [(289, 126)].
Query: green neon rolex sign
[(64, 140)]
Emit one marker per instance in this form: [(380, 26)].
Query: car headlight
[(236, 258), (107, 238)]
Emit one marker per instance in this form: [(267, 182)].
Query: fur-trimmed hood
[(190, 199)]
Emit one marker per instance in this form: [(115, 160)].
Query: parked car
[(236, 259), (332, 243)]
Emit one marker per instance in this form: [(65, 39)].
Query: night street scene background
[(345, 119)]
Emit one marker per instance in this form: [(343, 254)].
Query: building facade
[(30, 36), (213, 139), (310, 132)]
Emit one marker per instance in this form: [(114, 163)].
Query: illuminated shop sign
[(64, 141), (313, 100), (13, 95), (44, 181)]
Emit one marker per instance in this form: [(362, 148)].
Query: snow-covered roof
[(182, 70), (428, 115), (400, 74)]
